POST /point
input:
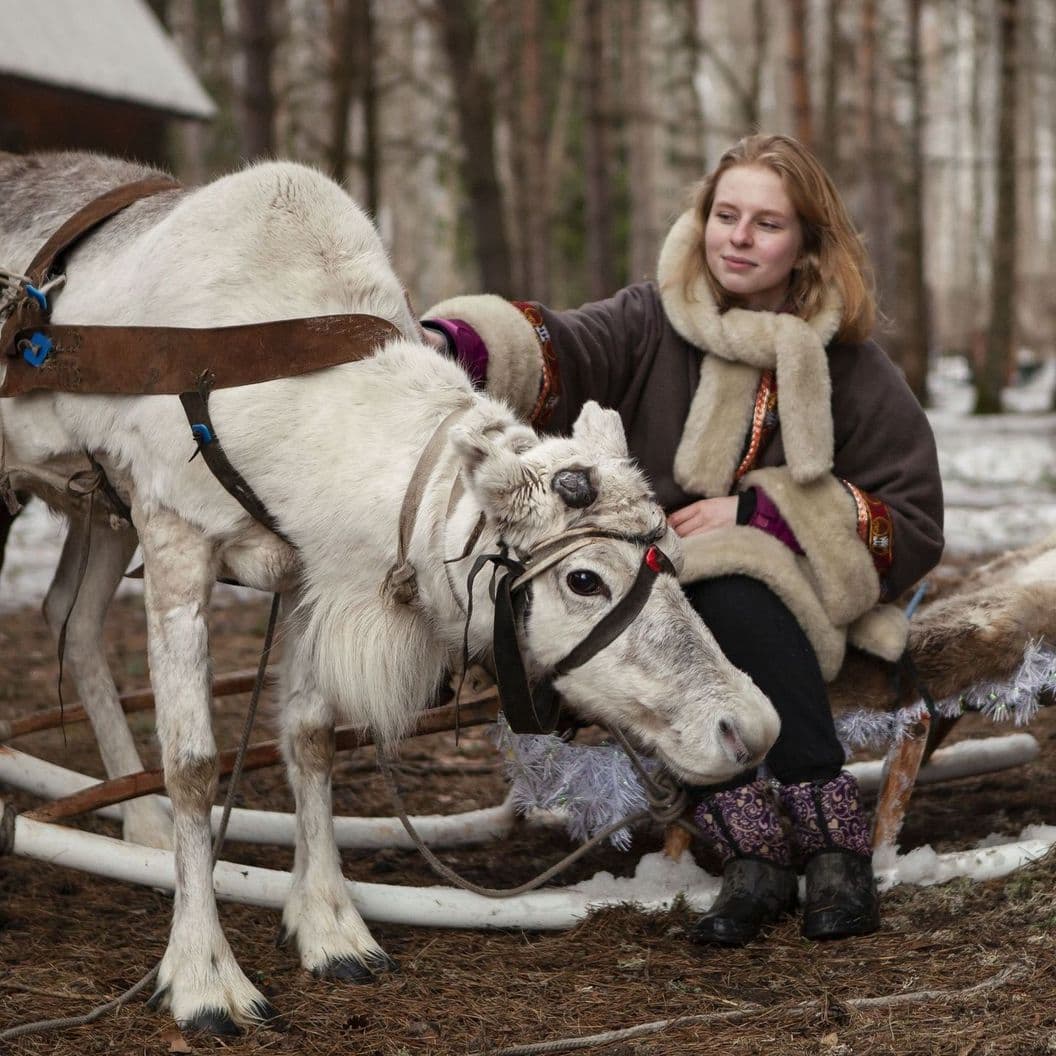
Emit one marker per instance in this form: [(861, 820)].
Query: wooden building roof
[(112, 49)]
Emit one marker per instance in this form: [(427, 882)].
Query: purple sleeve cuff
[(767, 518), (471, 351)]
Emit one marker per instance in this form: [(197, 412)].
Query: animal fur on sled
[(978, 633)]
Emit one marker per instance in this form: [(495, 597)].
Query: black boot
[(758, 883), (841, 896), (754, 893), (830, 832)]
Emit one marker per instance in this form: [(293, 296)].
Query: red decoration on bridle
[(654, 560)]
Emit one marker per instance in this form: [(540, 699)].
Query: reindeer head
[(663, 678)]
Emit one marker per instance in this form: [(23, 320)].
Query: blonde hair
[(832, 254)]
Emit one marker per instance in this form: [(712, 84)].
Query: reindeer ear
[(601, 429), (494, 471)]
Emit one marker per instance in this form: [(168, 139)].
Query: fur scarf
[(742, 344)]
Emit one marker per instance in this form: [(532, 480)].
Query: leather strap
[(401, 581), (91, 216), (528, 708), (196, 407), (28, 312), (154, 360), (145, 361), (622, 615)]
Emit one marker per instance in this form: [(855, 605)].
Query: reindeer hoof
[(267, 1015), (379, 961), (213, 1021), (345, 970), (283, 936), (157, 999)]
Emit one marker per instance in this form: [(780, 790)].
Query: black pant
[(759, 635)]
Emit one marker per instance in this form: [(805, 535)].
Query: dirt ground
[(69, 941)]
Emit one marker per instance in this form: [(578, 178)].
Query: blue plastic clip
[(37, 296), (38, 349), (201, 433)]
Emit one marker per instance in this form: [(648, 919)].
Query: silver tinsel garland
[(1015, 699), (593, 786)]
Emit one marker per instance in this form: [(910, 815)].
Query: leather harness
[(152, 360)]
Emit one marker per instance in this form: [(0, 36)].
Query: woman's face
[(753, 237)]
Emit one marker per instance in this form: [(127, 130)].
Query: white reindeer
[(330, 454)]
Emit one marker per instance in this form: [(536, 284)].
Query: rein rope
[(667, 801), (385, 765)]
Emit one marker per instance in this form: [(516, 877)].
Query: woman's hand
[(704, 515)]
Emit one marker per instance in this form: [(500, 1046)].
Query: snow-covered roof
[(111, 48)]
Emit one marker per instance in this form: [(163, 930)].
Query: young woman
[(795, 464)]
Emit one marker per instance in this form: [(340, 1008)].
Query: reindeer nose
[(733, 743)]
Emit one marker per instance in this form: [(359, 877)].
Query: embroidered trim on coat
[(876, 530), (550, 386), (764, 422)]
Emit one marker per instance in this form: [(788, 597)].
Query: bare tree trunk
[(189, 139), (914, 336), (640, 133), (999, 337), (345, 59), (802, 118), (760, 25), (601, 271), (876, 190), (829, 147), (475, 105), (976, 253), (257, 45), (532, 155), (748, 93), (562, 276), (1030, 318), (353, 79), (684, 144), (370, 97)]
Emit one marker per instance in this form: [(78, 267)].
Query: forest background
[(541, 148)]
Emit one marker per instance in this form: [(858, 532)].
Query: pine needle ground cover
[(963, 968)]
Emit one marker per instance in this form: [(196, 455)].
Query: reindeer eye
[(582, 581)]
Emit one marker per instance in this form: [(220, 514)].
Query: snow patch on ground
[(658, 880), (998, 471), (992, 857)]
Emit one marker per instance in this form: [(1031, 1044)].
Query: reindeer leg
[(146, 821), (199, 978), (319, 916)]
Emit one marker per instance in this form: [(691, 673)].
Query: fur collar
[(742, 344)]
